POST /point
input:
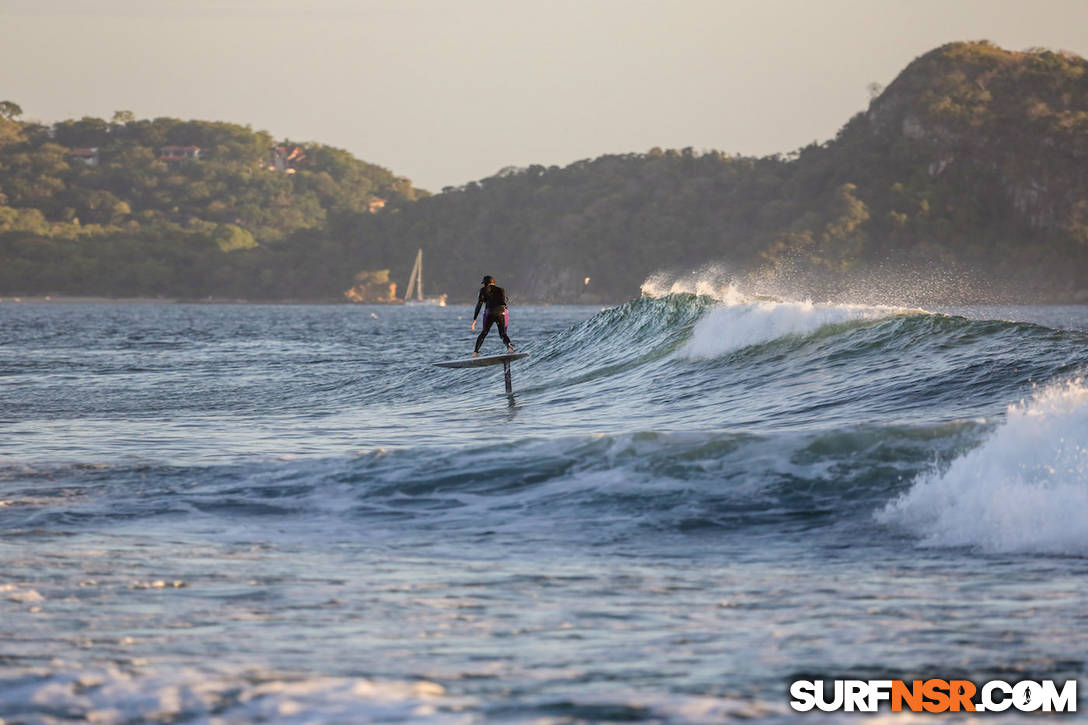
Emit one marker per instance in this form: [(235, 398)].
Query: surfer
[(493, 299)]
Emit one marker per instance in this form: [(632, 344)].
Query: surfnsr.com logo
[(934, 695)]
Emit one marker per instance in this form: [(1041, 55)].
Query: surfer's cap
[(488, 279)]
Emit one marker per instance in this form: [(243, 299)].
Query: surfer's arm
[(479, 304)]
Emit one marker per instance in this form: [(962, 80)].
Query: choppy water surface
[(283, 513)]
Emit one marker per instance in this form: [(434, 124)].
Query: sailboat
[(415, 284)]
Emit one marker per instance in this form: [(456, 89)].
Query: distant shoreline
[(66, 299), (94, 300), (1056, 301)]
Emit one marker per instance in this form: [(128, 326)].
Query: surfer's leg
[(483, 332), (502, 321), (480, 339)]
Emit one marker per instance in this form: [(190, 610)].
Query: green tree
[(231, 238), (87, 131), (10, 110)]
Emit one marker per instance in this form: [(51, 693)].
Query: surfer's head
[(488, 279)]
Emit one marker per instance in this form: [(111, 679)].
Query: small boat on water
[(415, 284)]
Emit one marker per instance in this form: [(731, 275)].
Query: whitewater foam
[(113, 695), (742, 319), (732, 327), (1024, 490)]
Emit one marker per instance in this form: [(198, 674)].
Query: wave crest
[(712, 282), (733, 327), (740, 319)]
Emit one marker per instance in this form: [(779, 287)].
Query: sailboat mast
[(414, 278), (419, 275)]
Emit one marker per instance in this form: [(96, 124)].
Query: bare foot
[(475, 354)]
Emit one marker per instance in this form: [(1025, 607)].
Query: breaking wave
[(1025, 489)]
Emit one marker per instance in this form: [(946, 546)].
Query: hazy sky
[(447, 92)]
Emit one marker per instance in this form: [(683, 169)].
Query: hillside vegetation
[(177, 208), (974, 158)]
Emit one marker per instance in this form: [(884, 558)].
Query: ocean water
[(247, 513)]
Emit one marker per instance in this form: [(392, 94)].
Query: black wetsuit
[(493, 299)]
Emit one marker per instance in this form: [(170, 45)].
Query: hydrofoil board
[(482, 361)]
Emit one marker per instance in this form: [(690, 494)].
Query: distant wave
[(1019, 485), (598, 485)]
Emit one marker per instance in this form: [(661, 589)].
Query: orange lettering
[(937, 692), (961, 692), (912, 695)]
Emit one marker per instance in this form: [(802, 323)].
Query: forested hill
[(974, 159), (177, 208)]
